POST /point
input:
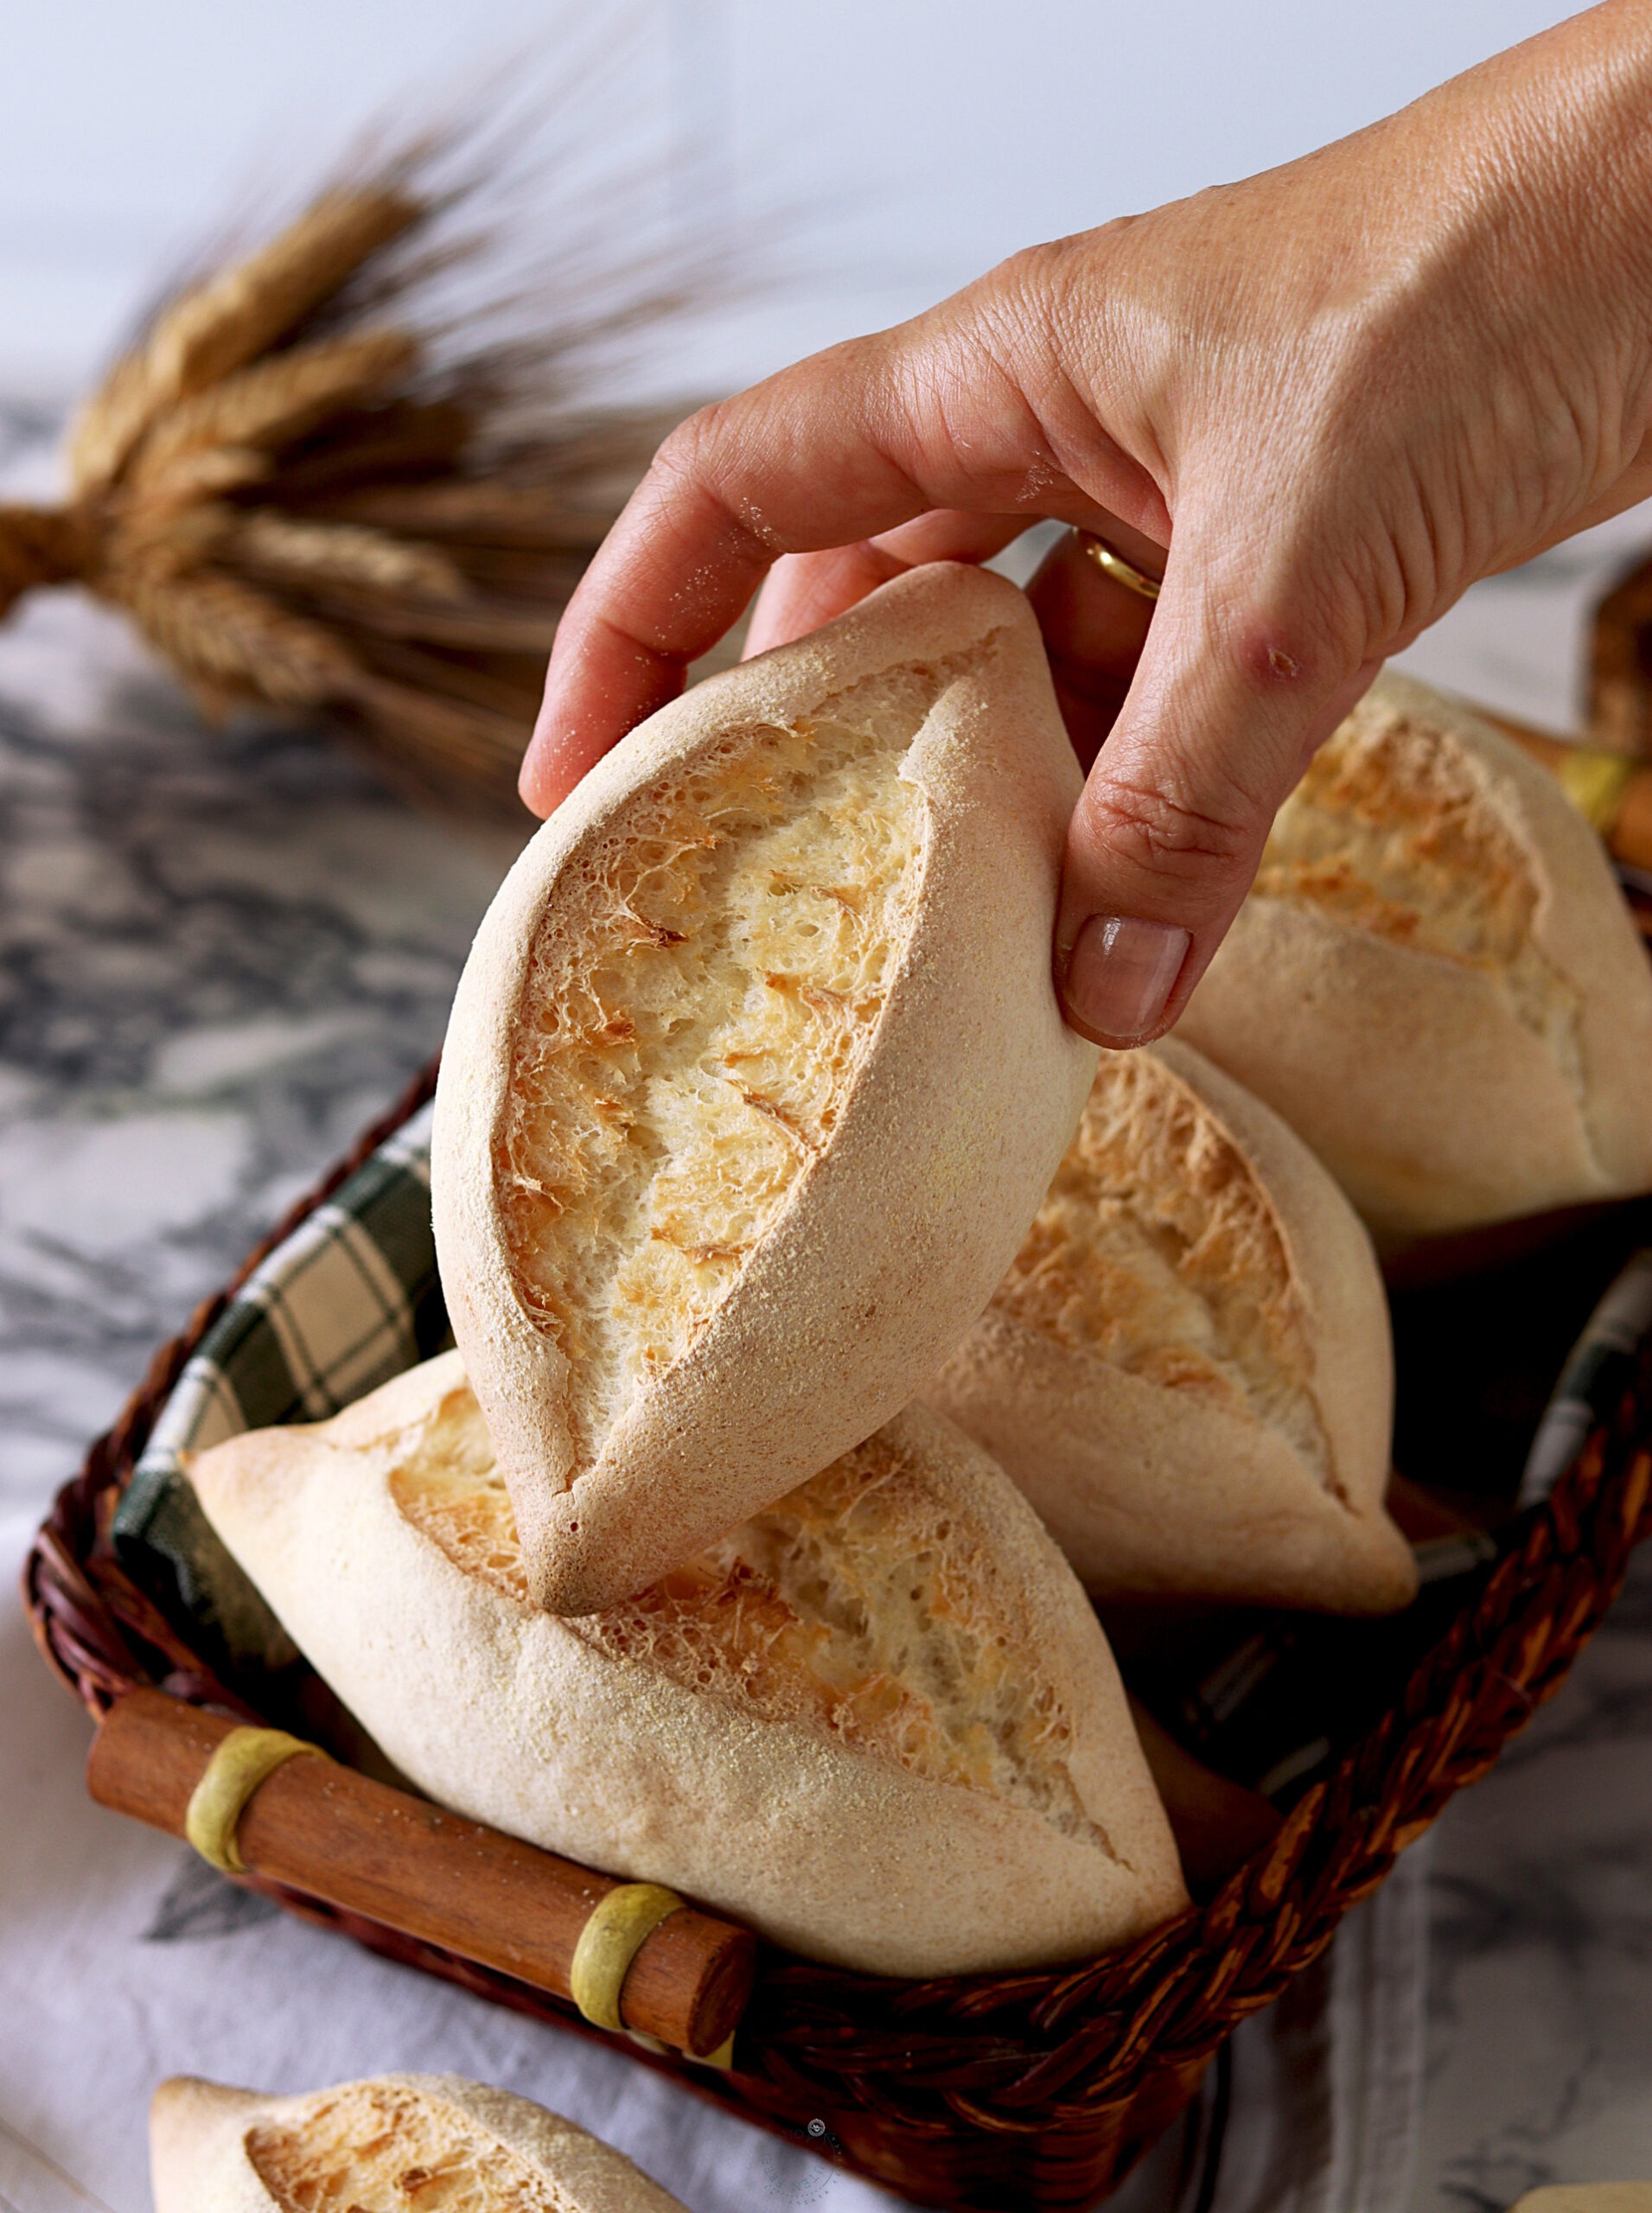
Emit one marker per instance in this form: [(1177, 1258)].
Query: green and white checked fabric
[(350, 1299)]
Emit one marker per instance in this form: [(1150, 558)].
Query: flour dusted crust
[(878, 1722), (756, 1074), (1188, 1369), (389, 2145), (1435, 978)]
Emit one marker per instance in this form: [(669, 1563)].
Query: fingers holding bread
[(1436, 981), (1189, 1367), (755, 1075), (878, 1721), (390, 2141)]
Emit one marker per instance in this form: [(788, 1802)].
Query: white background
[(925, 138), (883, 152)]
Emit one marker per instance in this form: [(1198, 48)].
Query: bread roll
[(385, 2146), (1435, 978), (878, 1723), (1188, 1369), (755, 1075)]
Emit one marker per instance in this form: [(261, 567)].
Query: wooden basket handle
[(314, 1826)]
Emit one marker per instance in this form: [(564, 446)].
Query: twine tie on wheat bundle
[(42, 545)]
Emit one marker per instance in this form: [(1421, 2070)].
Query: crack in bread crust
[(859, 1608), (1157, 1252), (1391, 832), (701, 995), (378, 2147)]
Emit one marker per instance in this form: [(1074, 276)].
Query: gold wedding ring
[(1115, 565)]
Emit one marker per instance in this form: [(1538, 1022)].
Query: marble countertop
[(220, 954)]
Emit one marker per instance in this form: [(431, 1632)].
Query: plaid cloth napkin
[(350, 1299)]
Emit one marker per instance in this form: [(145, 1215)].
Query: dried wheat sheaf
[(359, 470)]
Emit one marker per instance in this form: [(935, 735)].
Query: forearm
[(1526, 184), (1580, 100)]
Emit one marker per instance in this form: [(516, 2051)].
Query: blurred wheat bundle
[(359, 470)]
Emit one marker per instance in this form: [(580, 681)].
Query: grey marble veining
[(1540, 2033), (221, 953)]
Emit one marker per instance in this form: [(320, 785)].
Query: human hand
[(1324, 400)]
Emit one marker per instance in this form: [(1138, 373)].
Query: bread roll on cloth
[(878, 1722), (756, 1076), (386, 2146), (1436, 980), (1188, 1368)]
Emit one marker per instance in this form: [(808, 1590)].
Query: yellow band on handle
[(608, 1942), (246, 1758), (1596, 783)]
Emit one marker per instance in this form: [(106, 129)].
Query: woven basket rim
[(1069, 2053)]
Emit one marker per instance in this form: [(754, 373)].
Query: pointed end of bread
[(248, 1488), (196, 2165), (1389, 1581)]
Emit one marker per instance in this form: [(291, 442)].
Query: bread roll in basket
[(1435, 978), (1188, 1368), (756, 1076), (402, 2140), (878, 1723)]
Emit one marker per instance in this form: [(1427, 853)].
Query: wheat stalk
[(218, 327), (351, 472)]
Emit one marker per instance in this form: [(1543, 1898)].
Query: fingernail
[(1120, 972)]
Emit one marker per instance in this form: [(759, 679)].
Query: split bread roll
[(878, 1723), (385, 2146), (1188, 1368), (1435, 978), (755, 1075)]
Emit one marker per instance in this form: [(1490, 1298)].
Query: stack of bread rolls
[(755, 1079), (796, 1252)]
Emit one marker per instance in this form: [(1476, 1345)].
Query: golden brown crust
[(879, 1722), (1435, 979), (755, 1076), (372, 2147), (1188, 1368)]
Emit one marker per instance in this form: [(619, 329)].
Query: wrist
[(1554, 148)]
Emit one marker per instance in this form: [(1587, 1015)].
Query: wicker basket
[(1034, 2089)]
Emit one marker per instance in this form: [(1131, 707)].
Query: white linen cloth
[(124, 1958)]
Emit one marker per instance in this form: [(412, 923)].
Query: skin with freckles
[(1320, 404)]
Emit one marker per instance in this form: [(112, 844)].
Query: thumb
[(1227, 707)]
